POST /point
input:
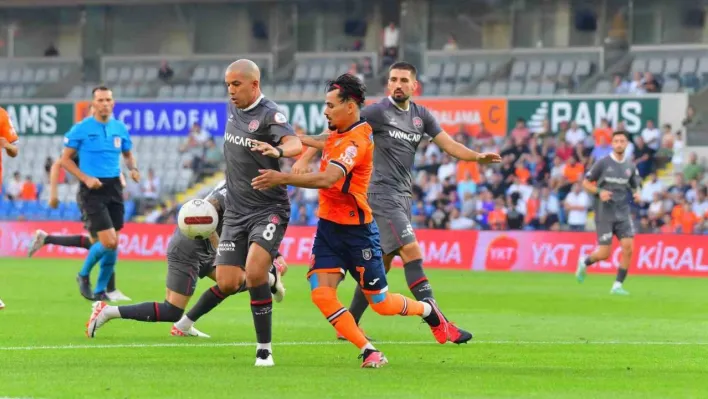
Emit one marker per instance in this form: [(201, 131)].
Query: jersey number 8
[(269, 231)]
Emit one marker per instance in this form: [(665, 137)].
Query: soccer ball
[(197, 219)]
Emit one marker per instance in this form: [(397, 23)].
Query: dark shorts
[(265, 228), (102, 209), (393, 216), (620, 228), (349, 248), (182, 276)]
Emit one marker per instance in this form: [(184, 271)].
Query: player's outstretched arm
[(302, 165), (314, 141), (290, 146), (54, 183), (459, 151), (270, 178)]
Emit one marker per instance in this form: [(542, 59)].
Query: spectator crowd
[(538, 184)]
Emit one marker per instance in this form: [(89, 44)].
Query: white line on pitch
[(328, 343)]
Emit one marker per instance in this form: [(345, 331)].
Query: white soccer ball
[(197, 219)]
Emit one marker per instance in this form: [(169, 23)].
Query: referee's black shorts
[(103, 208)]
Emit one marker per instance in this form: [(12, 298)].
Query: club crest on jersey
[(366, 253), (628, 172), (253, 126), (274, 219), (350, 152), (417, 122), (116, 142)]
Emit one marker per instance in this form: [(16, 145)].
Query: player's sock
[(358, 305), (108, 263), (417, 280), (147, 311), (341, 319), (111, 282), (621, 275), (95, 254), (78, 241), (210, 299), (390, 304), (589, 261), (262, 309)]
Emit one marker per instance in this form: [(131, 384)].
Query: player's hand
[(605, 195), (93, 183), (281, 265), (268, 178), (3, 142), (135, 175), (265, 149), (637, 197), (300, 167), (53, 202), (489, 157)]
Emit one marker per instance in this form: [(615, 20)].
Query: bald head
[(242, 80), (246, 68)]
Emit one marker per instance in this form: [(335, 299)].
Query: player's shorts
[(620, 228), (182, 276), (102, 209), (265, 228), (349, 248), (393, 216)]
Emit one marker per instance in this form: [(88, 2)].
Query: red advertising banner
[(672, 255), (669, 255)]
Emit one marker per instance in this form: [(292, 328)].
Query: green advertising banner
[(308, 115), (44, 119), (586, 112)]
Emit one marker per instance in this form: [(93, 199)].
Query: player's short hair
[(99, 88), (622, 133), (406, 66), (350, 88)]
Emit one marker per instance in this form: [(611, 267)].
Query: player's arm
[(8, 136), (130, 162), (290, 146), (270, 178), (635, 184), (68, 163), (459, 151), (214, 240), (315, 141), (54, 183), (11, 149)]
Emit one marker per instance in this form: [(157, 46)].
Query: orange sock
[(393, 304), (326, 300)]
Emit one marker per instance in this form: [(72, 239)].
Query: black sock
[(262, 309), (151, 311), (210, 299), (621, 275), (417, 281), (359, 304), (111, 283), (79, 241), (588, 261), (432, 319)]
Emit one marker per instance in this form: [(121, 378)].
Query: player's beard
[(400, 98), (331, 127)]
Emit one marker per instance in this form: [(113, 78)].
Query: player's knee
[(602, 253), (382, 304), (170, 312), (230, 285), (410, 252), (254, 278), (324, 298), (627, 248), (110, 242)]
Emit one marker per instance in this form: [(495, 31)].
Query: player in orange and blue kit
[(347, 238)]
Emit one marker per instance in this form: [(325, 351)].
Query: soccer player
[(256, 136), (99, 141), (85, 241), (347, 237), (399, 125), (610, 179), (8, 142), (187, 261)]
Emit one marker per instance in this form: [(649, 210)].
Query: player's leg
[(602, 252), (42, 238), (2, 305), (210, 299), (625, 232), (101, 226), (181, 282), (116, 212)]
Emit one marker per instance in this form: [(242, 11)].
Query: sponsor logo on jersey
[(412, 137), (239, 140), (616, 180)]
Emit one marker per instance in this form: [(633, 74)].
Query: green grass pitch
[(536, 336)]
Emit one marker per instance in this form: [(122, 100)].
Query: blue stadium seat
[(54, 214), (310, 209)]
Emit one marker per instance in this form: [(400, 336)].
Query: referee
[(98, 141)]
